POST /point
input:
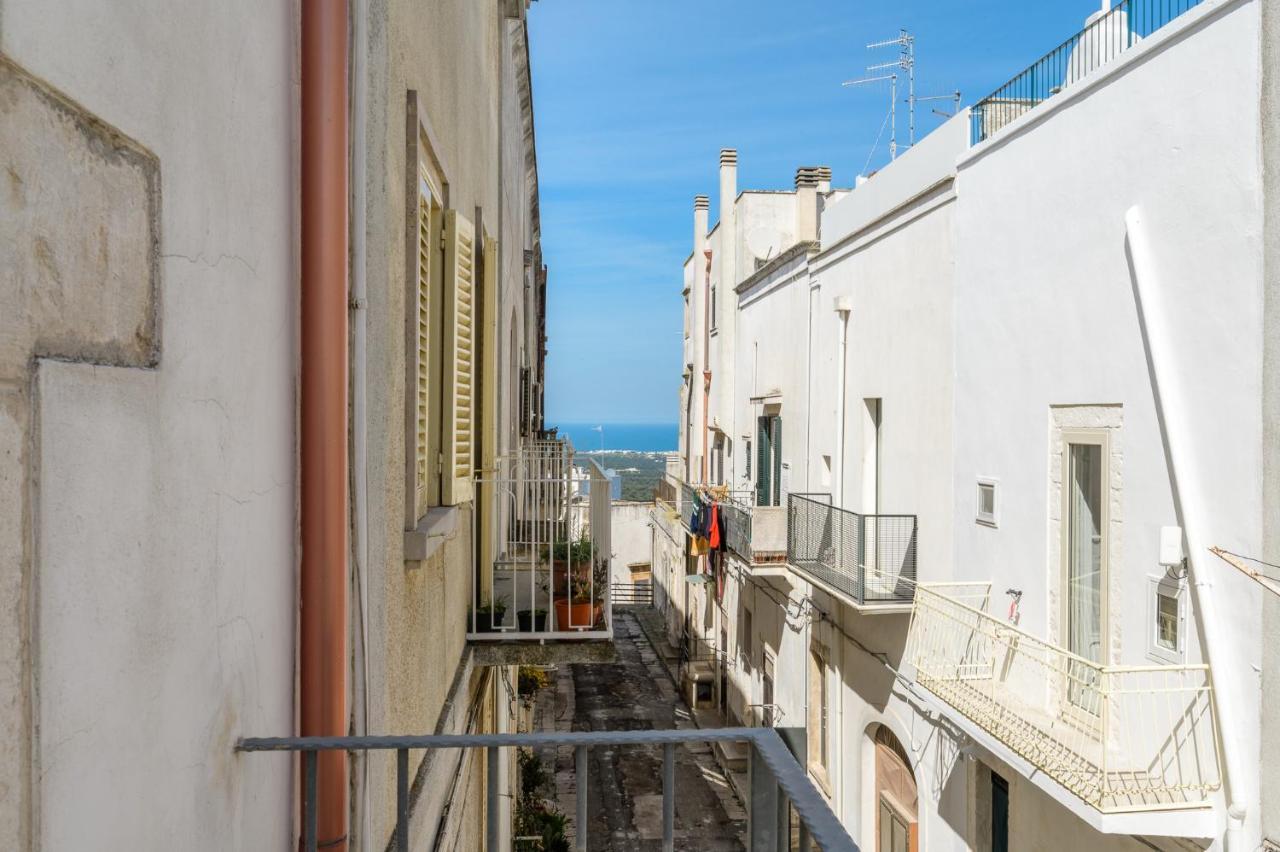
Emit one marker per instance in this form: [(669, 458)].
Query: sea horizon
[(619, 437)]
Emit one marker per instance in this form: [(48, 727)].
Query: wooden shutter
[(421, 309), (763, 469), (775, 428), (459, 343)]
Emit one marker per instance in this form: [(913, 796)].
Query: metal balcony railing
[(549, 578), (1103, 38), (870, 558), (1122, 738), (776, 780)]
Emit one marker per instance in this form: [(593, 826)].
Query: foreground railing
[(776, 780), (1105, 37), (870, 558), (1122, 738), (549, 578)]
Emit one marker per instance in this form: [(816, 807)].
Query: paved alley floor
[(625, 784)]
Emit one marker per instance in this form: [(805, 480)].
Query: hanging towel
[(713, 527)]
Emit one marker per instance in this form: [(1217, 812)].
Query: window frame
[(425, 180), (987, 520), (1158, 585), (819, 721)]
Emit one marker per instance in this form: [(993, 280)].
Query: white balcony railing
[(1122, 738), (547, 576)]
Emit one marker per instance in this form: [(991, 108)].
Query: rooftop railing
[(1105, 36), (869, 558), (777, 782), (1122, 738), (550, 576)]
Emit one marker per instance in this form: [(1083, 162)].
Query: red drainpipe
[(323, 427)]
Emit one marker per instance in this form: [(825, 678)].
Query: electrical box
[(1171, 546)]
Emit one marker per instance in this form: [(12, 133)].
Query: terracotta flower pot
[(574, 616)]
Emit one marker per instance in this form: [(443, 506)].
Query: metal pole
[(491, 826), (309, 759), (668, 796), (580, 759), (402, 800)]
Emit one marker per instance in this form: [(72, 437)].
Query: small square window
[(988, 503), (1167, 617)]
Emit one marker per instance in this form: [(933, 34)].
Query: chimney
[(701, 204), (728, 185), (824, 180), (807, 204)]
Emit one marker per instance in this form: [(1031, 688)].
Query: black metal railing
[(737, 530), (1105, 37), (776, 779), (870, 558), (633, 594)]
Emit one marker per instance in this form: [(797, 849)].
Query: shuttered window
[(768, 460), (421, 349), (459, 316)]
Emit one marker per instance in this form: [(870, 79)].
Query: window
[(459, 340), (424, 271), (746, 641), (1167, 616), (713, 307), (769, 460), (1084, 549), (746, 457), (819, 715), (767, 715), (988, 509)]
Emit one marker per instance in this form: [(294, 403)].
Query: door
[(766, 692), (999, 814), (1084, 552)]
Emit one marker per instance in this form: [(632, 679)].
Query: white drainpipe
[(842, 310), (1171, 407)]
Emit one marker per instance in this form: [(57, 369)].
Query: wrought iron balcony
[(549, 576), (1121, 738), (868, 559), (777, 781), (757, 534), (1104, 37)]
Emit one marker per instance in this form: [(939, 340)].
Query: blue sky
[(633, 102)]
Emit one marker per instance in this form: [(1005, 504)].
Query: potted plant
[(569, 556), (576, 610), (600, 575), (532, 620), (489, 616)]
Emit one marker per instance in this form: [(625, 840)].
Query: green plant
[(530, 680), (534, 817), (576, 553)]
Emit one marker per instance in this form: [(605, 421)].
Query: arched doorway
[(896, 825)]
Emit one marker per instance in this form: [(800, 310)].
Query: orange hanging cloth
[(713, 531)]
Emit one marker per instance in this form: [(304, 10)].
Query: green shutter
[(776, 428), (762, 461)]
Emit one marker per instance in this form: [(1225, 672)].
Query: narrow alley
[(635, 692)]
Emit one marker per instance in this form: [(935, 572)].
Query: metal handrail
[(1122, 738), (1102, 39), (870, 558), (776, 777)]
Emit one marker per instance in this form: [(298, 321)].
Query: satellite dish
[(763, 243)]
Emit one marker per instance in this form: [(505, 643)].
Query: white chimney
[(806, 204), (701, 204), (824, 180)]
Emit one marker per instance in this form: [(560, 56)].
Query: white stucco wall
[(1045, 316), (631, 537), (165, 522)]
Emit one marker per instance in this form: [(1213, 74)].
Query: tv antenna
[(904, 65), (906, 62)]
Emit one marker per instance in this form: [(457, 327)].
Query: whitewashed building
[(975, 425)]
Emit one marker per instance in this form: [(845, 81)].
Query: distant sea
[(637, 437)]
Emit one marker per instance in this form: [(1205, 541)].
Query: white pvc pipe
[(1171, 408), (842, 311)]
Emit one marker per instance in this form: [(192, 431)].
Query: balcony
[(1105, 36), (777, 782), (1122, 739), (869, 561), (756, 534), (541, 592)]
